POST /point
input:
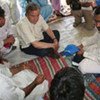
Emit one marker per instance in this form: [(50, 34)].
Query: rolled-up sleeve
[(44, 24)]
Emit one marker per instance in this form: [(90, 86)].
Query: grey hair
[(31, 7)]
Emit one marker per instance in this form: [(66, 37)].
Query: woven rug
[(92, 85), (47, 66)]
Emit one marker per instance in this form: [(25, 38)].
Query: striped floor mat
[(47, 66)]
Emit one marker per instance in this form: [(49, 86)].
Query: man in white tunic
[(20, 83), (90, 48), (6, 37), (34, 34)]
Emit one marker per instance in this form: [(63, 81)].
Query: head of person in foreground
[(67, 84)]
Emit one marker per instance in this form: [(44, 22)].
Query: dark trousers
[(31, 50)]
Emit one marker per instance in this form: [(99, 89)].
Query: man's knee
[(57, 34), (90, 26)]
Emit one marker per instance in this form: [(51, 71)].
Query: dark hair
[(2, 12), (31, 7), (67, 84), (97, 10)]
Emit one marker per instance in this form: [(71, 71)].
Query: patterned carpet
[(92, 84), (49, 67)]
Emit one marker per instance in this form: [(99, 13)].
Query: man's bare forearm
[(29, 88), (42, 45), (15, 70)]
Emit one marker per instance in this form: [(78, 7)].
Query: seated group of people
[(37, 38)]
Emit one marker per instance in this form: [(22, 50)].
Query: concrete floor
[(69, 35)]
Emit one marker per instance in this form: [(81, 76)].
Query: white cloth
[(14, 9), (11, 10), (28, 32), (87, 8), (26, 77), (91, 63), (89, 66), (9, 90), (5, 5), (4, 69), (11, 85)]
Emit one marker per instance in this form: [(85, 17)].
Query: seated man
[(67, 84), (6, 37), (20, 83), (32, 39), (90, 49)]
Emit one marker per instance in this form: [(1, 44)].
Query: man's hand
[(81, 51), (56, 45), (25, 66), (9, 40), (80, 46), (2, 60), (12, 39), (39, 79)]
